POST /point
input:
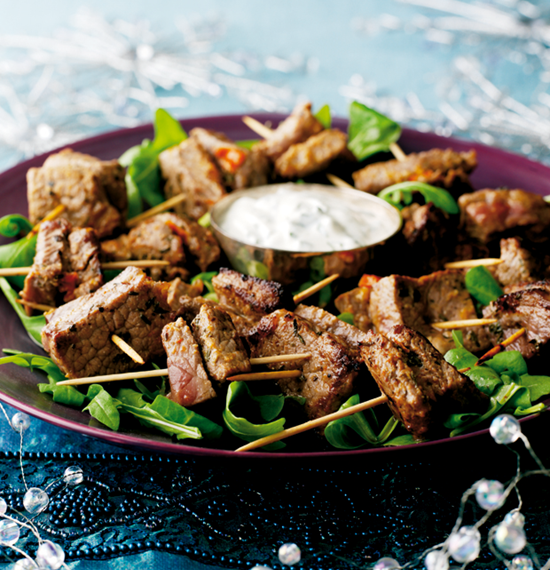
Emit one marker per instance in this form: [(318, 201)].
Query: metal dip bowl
[(269, 262)]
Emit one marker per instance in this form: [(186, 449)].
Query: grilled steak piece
[(327, 377), (356, 301), (416, 303), (528, 308), (422, 388), (165, 237), (66, 265), (189, 170), (518, 267), (488, 214), (78, 335), (444, 168), (296, 128), (240, 167), (312, 155), (222, 348), (248, 296), (189, 383), (92, 191), (180, 289)]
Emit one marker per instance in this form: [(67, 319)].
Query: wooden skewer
[(11, 271), (257, 127), (298, 298), (487, 261), (500, 346), (37, 306), (335, 181), (397, 151), (313, 423), (170, 203), (164, 371), (273, 375), (127, 349), (463, 323), (51, 216)]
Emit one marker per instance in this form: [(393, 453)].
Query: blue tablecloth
[(138, 510)]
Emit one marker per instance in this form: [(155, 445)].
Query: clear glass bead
[(489, 494), (289, 554), (9, 532), (3, 507), (25, 564), (50, 556), (20, 422), (73, 475), (35, 500), (505, 429), (515, 518), (522, 562), (387, 563), (436, 560), (464, 545), (510, 538)]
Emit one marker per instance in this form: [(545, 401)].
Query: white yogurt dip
[(306, 218)]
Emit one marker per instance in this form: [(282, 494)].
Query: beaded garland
[(270, 517)]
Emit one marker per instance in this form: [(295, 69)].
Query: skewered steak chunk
[(66, 265), (189, 383), (240, 167), (422, 388), (312, 155), (486, 214), (518, 266), (327, 377), (248, 296), (296, 128), (356, 301), (528, 308), (443, 168), (222, 348), (416, 303), (78, 335), (188, 169), (92, 191), (180, 289)]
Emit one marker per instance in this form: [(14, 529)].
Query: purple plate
[(496, 168)]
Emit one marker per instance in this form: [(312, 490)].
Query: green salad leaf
[(143, 179), (103, 407), (323, 115), (13, 225), (481, 285), (19, 253), (347, 318), (370, 132), (402, 192)]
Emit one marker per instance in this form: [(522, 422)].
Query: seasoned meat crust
[(296, 128), (487, 214), (518, 266), (240, 167), (189, 170), (417, 303), (356, 302), (443, 168), (66, 265), (189, 383), (327, 377), (92, 191), (249, 296), (312, 155), (222, 348), (528, 308), (422, 388), (77, 335)]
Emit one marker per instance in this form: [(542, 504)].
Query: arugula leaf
[(324, 117), (402, 192), (347, 318), (206, 278), (370, 132), (103, 407), (406, 439), (33, 325), (269, 407), (14, 224), (143, 178), (481, 285), (19, 253)]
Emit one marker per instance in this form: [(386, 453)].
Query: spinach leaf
[(481, 285), (143, 179), (206, 278), (103, 407), (347, 318), (269, 407), (406, 439), (324, 117), (19, 253), (14, 224), (538, 386), (370, 132), (33, 325), (402, 192), (510, 361)]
